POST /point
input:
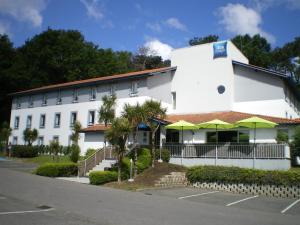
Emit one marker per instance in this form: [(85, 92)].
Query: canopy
[(182, 125), (256, 122), (215, 124)]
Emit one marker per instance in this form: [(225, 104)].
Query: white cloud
[(175, 23), (4, 28), (238, 19), (265, 4), (159, 48), (154, 26), (93, 8), (24, 10)]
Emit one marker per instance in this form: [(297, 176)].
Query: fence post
[(254, 153), (216, 155), (287, 153)]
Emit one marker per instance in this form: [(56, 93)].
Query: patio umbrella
[(182, 125), (215, 124), (254, 123)]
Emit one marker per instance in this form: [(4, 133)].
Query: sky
[(161, 25)]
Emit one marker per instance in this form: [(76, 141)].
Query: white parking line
[(290, 206), (242, 200), (29, 211), (206, 193)]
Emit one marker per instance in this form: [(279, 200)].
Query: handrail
[(89, 163)]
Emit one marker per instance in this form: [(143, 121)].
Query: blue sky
[(158, 24)]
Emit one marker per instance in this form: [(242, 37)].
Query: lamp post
[(160, 160), (130, 178)]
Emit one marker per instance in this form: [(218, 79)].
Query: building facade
[(197, 84)]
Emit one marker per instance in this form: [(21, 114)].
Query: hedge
[(236, 175), (102, 177), (165, 155), (25, 151), (57, 170)]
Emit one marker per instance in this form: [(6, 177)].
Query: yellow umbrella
[(182, 125)]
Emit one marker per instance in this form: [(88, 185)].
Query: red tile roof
[(95, 128), (228, 116), (97, 79)]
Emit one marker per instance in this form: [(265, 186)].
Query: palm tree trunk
[(119, 169), (135, 154), (153, 148)]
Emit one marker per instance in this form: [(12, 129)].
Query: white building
[(200, 85)]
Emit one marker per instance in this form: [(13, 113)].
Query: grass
[(42, 159), (147, 178), (295, 169)]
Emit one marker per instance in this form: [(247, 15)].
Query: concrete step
[(105, 164)]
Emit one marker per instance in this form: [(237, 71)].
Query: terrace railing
[(229, 151)]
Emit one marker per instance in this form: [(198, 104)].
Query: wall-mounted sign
[(220, 49)]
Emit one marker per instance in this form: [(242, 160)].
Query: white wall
[(198, 76)]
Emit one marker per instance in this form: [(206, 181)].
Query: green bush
[(57, 170), (25, 151), (165, 154), (89, 152), (235, 175), (102, 177), (75, 152)]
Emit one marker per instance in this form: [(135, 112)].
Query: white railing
[(229, 151)]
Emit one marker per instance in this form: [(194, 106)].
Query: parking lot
[(248, 202)]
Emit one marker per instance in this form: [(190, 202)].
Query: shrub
[(89, 152), (57, 170), (165, 154), (282, 137), (237, 175), (66, 150), (24, 151), (102, 177), (75, 152)]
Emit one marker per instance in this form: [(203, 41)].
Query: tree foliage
[(30, 135), (107, 109), (203, 40), (75, 132)]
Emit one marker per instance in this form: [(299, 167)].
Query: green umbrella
[(215, 124), (254, 123), (182, 125)]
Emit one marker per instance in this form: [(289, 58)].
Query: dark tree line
[(56, 56)]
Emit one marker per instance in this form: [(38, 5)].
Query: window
[(28, 122), (172, 136), (30, 101), (15, 140), (92, 94), (112, 90), (18, 103), (243, 136), (40, 140), (73, 118), (145, 137), (17, 122), (134, 88), (174, 100), (75, 95), (44, 100), (42, 121), (57, 120), (58, 97), (91, 119), (228, 136), (56, 138), (221, 89)]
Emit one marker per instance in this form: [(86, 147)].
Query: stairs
[(103, 165), (174, 179)]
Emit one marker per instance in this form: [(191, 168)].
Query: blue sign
[(220, 49)]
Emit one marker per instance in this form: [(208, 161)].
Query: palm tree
[(75, 136), (117, 136), (5, 134), (135, 116), (30, 136), (107, 111), (153, 109)]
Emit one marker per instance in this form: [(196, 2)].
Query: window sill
[(56, 126), (42, 127), (75, 101), (92, 99), (133, 94)]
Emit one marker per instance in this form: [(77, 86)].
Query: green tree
[(256, 48), (75, 136), (54, 148), (152, 110), (5, 134), (30, 136), (117, 135), (135, 116), (107, 109), (203, 40)]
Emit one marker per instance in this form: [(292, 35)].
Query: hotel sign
[(220, 49)]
